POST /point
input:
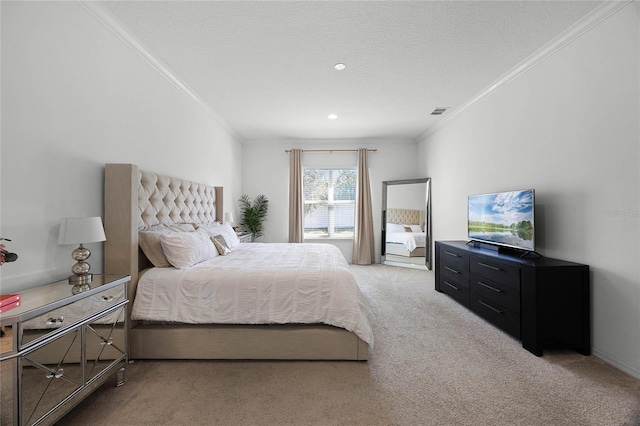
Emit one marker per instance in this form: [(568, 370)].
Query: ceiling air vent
[(438, 111)]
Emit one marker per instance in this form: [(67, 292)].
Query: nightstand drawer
[(245, 238), (39, 327)]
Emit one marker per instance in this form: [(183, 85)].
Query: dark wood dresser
[(544, 302)]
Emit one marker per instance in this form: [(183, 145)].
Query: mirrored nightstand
[(61, 346), (245, 237)]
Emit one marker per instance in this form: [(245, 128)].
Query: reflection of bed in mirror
[(405, 234)]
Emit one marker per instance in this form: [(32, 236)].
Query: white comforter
[(411, 240), (258, 284)]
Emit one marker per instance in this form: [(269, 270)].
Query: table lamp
[(228, 218), (80, 231)]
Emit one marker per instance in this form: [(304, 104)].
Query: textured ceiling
[(267, 68)]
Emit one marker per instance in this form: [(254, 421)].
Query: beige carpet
[(433, 363)]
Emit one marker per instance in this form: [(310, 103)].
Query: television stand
[(544, 302)]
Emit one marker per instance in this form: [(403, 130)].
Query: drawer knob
[(55, 320), (497, 290), (107, 298), (452, 270), (495, 268), (55, 374)]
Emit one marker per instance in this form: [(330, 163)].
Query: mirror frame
[(427, 215)]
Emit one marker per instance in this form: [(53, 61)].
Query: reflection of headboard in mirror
[(406, 217)]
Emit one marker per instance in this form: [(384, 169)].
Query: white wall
[(569, 128), (266, 171), (407, 196), (74, 97)]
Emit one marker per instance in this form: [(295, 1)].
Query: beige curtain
[(296, 210), (363, 244)]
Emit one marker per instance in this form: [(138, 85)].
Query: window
[(329, 202)]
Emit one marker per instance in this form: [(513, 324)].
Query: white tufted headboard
[(135, 200), (167, 200), (406, 217)]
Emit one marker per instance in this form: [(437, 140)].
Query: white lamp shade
[(81, 230), (228, 217)]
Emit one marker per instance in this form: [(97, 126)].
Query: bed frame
[(407, 217), (136, 200)]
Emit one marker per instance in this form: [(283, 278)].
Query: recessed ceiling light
[(340, 67), (332, 117)]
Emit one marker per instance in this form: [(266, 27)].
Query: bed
[(404, 233), (138, 201)]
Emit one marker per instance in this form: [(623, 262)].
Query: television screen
[(503, 218)]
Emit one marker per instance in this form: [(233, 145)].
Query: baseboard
[(610, 359)]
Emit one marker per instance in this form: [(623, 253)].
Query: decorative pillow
[(408, 229), (394, 227), (185, 249), (415, 228), (227, 232), (221, 245), (149, 241)]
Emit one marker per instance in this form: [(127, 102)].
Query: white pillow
[(415, 228), (185, 249), (227, 233), (150, 244), (395, 227)]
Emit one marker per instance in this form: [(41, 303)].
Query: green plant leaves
[(252, 214)]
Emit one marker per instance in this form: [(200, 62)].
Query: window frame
[(328, 235)]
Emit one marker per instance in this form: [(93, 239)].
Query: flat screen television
[(503, 219)]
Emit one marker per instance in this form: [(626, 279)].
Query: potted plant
[(252, 214)]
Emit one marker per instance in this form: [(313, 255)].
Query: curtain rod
[(332, 150)]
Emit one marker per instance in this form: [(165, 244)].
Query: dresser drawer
[(495, 271), (454, 258), (450, 273), (496, 314), (503, 294), (38, 328), (456, 289)]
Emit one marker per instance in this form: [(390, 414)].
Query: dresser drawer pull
[(497, 290), (489, 266), (452, 286), (497, 311), (55, 374), (451, 254), (452, 270), (56, 320), (107, 298)]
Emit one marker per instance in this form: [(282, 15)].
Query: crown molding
[(592, 19), (95, 9)]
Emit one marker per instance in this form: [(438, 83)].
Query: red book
[(6, 299), (5, 308)]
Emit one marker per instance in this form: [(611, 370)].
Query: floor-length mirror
[(406, 223)]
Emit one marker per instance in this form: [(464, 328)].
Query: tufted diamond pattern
[(406, 217), (167, 200)]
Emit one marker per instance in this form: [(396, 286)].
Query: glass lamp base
[(80, 279), (79, 288)]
